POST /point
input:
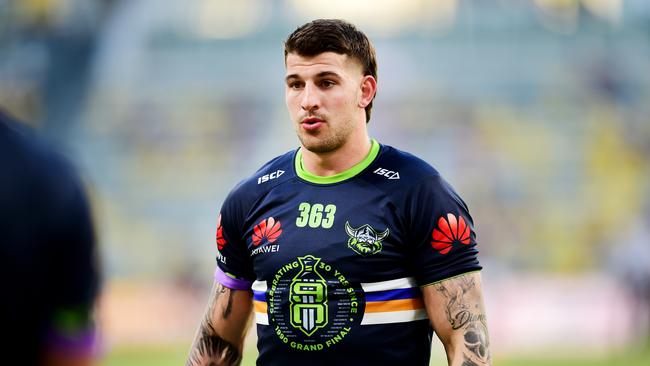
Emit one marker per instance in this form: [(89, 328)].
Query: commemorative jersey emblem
[(451, 231), (365, 240), (312, 306), (308, 297)]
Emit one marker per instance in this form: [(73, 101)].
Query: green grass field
[(175, 356)]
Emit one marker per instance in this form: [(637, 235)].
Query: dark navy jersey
[(47, 269), (336, 263)]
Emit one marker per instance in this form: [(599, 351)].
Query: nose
[(310, 99)]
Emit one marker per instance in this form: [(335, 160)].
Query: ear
[(368, 90)]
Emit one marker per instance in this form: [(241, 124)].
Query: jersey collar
[(347, 174)]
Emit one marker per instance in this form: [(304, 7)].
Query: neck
[(339, 160)]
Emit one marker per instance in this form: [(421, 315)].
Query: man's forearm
[(213, 351), (209, 347), (467, 342)]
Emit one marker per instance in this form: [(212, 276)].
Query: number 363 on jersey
[(315, 215)]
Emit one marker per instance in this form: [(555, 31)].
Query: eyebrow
[(319, 75)]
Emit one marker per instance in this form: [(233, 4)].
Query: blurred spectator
[(48, 271)]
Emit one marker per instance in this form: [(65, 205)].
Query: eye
[(327, 83), (295, 85)]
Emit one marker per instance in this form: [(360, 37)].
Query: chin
[(320, 146), (319, 149)]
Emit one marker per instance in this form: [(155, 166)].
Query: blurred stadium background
[(538, 111)]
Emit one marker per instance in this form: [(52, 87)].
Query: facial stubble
[(320, 143)]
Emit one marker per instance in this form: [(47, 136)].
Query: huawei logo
[(269, 229), (449, 232), (220, 239)]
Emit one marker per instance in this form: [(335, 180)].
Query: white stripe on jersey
[(394, 317), (406, 282)]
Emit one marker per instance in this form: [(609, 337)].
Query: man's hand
[(220, 338), (455, 308)]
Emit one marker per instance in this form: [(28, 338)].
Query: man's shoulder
[(414, 178), (274, 172), (395, 164)]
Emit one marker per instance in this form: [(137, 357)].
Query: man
[(48, 272), (348, 251)]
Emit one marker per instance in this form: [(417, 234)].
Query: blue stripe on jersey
[(259, 296), (398, 294)]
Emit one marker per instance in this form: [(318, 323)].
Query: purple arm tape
[(232, 283)]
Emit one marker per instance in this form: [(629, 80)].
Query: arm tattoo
[(458, 312), (213, 351), (467, 362), (228, 310), (468, 316), (209, 349)]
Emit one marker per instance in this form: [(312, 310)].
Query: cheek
[(291, 101), (351, 101), (293, 106), (343, 100)]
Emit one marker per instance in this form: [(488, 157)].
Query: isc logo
[(387, 173), (267, 177)]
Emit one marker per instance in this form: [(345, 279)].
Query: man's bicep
[(220, 337), (457, 314), (229, 312)]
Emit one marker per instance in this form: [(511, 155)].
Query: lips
[(312, 123)]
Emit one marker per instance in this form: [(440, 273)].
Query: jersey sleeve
[(234, 267), (442, 232), (73, 272)]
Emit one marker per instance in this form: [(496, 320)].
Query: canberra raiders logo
[(364, 240)]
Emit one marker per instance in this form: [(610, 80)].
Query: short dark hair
[(334, 35)]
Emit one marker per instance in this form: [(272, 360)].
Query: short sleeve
[(76, 257), (234, 267), (73, 270), (442, 232)]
